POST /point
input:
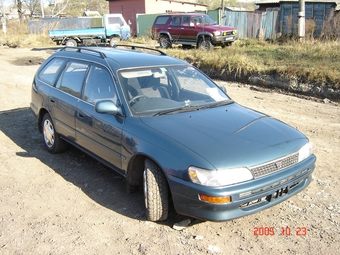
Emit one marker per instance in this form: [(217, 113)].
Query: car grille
[(274, 166), (227, 33)]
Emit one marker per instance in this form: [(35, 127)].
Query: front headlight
[(218, 178), (305, 151), (217, 33)]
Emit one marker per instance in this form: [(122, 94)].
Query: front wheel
[(205, 44), (53, 142), (114, 40), (156, 192)]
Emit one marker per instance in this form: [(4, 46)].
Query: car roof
[(129, 56), (183, 14)]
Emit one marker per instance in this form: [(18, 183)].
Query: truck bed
[(82, 32)]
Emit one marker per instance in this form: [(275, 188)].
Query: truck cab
[(116, 28)]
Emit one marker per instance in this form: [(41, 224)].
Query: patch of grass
[(18, 36), (307, 61)]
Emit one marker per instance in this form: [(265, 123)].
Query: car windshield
[(203, 20), (169, 90)]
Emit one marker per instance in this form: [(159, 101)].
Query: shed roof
[(337, 2), (91, 13), (278, 1)]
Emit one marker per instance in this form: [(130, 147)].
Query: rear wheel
[(164, 42), (114, 40), (52, 140), (156, 192), (71, 43), (205, 44)]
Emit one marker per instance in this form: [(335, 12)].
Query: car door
[(175, 28), (188, 30), (63, 99), (98, 133)]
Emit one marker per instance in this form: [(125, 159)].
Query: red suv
[(191, 29)]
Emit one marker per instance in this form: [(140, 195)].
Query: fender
[(163, 32), (67, 38), (203, 33)]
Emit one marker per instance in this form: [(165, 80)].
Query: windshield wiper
[(187, 108), (217, 104), (179, 109)]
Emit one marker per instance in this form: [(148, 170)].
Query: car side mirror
[(107, 107)]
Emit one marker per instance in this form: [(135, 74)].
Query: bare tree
[(57, 7), (76, 7), (20, 10), (32, 5)]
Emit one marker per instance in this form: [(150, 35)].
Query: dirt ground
[(71, 204)]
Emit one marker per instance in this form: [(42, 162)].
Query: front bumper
[(223, 39), (247, 198)]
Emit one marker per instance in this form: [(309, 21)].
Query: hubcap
[(48, 133), (71, 44), (164, 43)]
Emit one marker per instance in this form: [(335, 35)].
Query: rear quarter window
[(51, 71), (161, 20)]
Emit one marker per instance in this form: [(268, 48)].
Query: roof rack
[(134, 47), (85, 50)]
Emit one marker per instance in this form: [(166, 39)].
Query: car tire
[(114, 40), (156, 192), (164, 42), (52, 140), (71, 43), (205, 44)]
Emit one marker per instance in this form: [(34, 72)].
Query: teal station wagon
[(170, 130)]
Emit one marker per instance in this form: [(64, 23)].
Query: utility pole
[(302, 20)]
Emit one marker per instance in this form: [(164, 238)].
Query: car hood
[(215, 27), (229, 136)]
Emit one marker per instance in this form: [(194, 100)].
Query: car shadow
[(101, 184)]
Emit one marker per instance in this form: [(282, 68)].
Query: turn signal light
[(215, 200)]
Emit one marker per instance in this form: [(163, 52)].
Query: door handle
[(81, 115)]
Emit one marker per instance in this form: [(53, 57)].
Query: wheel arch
[(76, 38), (42, 112), (135, 169), (202, 35), (165, 33)]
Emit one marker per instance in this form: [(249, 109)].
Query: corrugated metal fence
[(252, 24)]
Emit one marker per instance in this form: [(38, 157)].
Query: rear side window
[(161, 20), (73, 78), (175, 21), (51, 71)]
